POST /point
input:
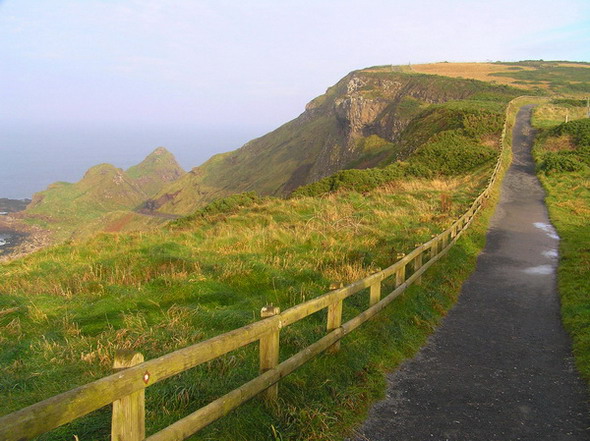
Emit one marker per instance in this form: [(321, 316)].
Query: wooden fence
[(125, 388)]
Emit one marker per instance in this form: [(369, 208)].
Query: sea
[(32, 156)]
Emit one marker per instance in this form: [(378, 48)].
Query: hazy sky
[(250, 62)]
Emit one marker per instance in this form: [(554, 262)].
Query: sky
[(242, 66)]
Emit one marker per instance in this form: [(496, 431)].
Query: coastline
[(19, 238), (10, 240)]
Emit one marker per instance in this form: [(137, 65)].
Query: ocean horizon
[(35, 156)]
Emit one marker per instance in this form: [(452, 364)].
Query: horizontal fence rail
[(125, 388)]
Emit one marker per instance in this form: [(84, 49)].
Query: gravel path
[(500, 366)]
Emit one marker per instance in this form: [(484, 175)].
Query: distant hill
[(103, 195), (155, 171)]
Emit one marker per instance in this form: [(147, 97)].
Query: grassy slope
[(568, 200), (160, 291), (65, 207)]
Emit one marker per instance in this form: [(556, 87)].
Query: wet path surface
[(500, 365)]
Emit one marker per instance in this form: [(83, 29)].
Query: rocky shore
[(16, 237), (12, 205)]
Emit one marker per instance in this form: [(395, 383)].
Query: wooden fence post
[(269, 352), (433, 248), (400, 274), (375, 294), (445, 241), (418, 265), (334, 322), (128, 421)]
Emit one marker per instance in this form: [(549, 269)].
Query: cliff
[(358, 123)]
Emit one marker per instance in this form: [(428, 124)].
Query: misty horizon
[(33, 157)]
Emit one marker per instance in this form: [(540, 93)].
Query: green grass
[(568, 200), (554, 113)]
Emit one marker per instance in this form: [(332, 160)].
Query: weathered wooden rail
[(125, 388)]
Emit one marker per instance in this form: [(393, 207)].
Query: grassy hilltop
[(417, 151)]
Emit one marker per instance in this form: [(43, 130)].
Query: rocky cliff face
[(326, 138)]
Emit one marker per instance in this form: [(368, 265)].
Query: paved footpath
[(500, 366)]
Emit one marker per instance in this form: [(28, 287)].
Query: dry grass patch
[(476, 71), (556, 144), (556, 114)]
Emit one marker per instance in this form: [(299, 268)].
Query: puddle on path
[(551, 254), (540, 270), (547, 228)]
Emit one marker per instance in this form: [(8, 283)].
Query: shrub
[(560, 162), (579, 129), (227, 205), (451, 153), (353, 179), (418, 170), (569, 102)]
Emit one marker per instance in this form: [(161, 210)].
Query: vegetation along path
[(500, 365)]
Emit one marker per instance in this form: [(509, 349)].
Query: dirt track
[(500, 365)]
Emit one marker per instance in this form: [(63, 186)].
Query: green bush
[(452, 153), (578, 129), (418, 170), (583, 154), (569, 102), (559, 162), (480, 123), (227, 205), (353, 180)]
